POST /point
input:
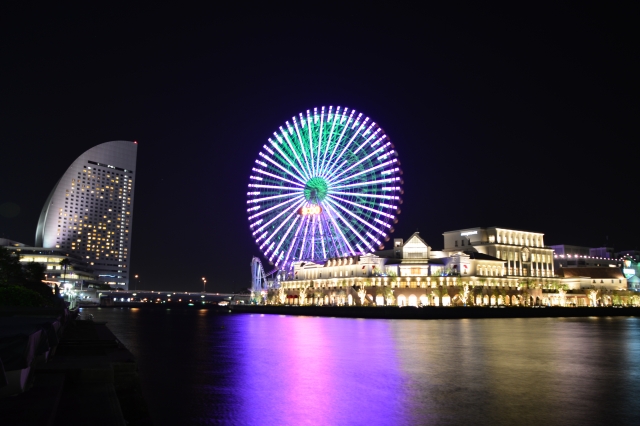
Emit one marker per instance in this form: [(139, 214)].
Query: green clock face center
[(315, 190)]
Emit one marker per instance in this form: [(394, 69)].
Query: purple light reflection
[(305, 370)]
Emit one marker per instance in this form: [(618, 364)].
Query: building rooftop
[(591, 272)]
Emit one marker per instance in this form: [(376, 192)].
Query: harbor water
[(201, 367)]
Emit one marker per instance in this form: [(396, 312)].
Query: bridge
[(155, 298)]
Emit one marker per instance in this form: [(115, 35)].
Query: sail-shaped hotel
[(90, 211)]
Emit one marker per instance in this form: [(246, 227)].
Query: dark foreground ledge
[(394, 312), (84, 377)]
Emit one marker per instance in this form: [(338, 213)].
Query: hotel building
[(481, 266), (89, 212)]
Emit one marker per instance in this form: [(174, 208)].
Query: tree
[(464, 292), (65, 263), (303, 294), (281, 296), (593, 296), (362, 293), (503, 293), (272, 296), (256, 296), (617, 300), (10, 268), (395, 282), (495, 292), (483, 282), (563, 294), (439, 292), (553, 284), (389, 298), (379, 292), (525, 293)]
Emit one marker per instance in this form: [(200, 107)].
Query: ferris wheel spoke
[(377, 151), (302, 147), (309, 130), (355, 135), (336, 245), (324, 252), (358, 218), (263, 172), (294, 243), (385, 197), (362, 206), (306, 173), (333, 125), (344, 129), (273, 219), (320, 139), (300, 249), (284, 136), (366, 183), (284, 237), (345, 241), (313, 237), (259, 185), (273, 197), (293, 212), (348, 224), (282, 204), (380, 139), (369, 170), (303, 248), (338, 167), (299, 177)]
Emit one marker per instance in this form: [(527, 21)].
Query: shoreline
[(434, 312)]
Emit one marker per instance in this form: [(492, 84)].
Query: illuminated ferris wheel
[(327, 184)]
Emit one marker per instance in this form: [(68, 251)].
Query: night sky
[(520, 118)]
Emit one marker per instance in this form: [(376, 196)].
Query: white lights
[(326, 180)]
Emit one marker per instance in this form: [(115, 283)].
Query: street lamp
[(204, 284), (136, 282)]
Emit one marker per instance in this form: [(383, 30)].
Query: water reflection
[(199, 367), (521, 371), (304, 370)]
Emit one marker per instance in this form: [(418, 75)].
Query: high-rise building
[(90, 210)]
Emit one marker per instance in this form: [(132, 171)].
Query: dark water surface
[(199, 367)]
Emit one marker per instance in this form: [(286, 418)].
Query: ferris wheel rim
[(324, 193)]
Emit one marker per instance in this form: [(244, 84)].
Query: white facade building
[(524, 252), (90, 211)]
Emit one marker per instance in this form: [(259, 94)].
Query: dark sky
[(520, 118)]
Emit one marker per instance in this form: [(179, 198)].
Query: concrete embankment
[(88, 378), (433, 312)]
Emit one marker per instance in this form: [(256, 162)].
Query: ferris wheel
[(327, 184)]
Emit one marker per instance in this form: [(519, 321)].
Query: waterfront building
[(524, 252), (604, 278), (89, 212), (78, 273), (597, 266), (485, 266), (567, 256)]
